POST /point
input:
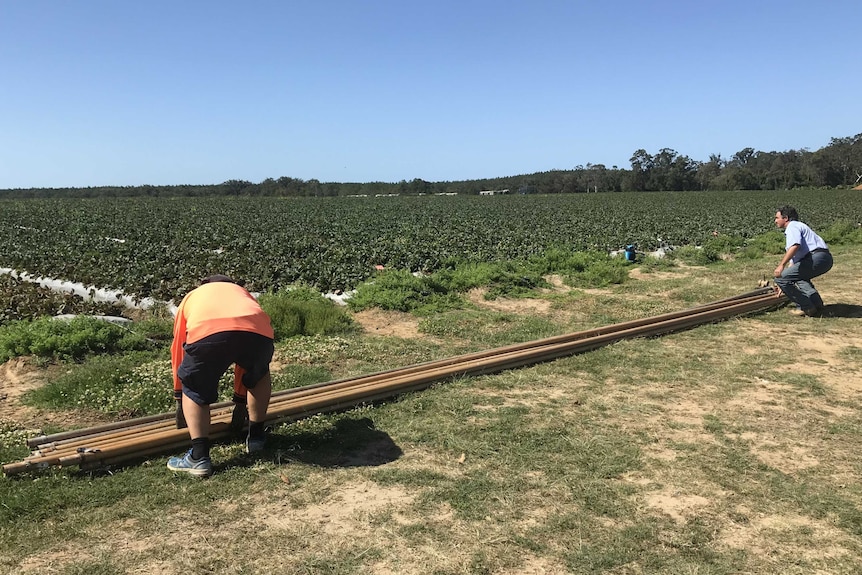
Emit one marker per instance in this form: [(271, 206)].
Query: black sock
[(200, 448), (255, 429)]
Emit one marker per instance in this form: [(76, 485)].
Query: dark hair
[(789, 212), (217, 278)]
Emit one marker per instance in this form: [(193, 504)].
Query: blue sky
[(109, 92)]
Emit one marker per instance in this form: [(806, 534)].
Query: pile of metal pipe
[(153, 435)]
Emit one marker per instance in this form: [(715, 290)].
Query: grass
[(729, 448), (302, 311)]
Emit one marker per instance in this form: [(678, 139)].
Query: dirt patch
[(557, 284), (759, 533), (818, 355), (639, 274), (16, 379), (344, 511), (789, 459), (506, 305), (19, 376), (676, 504), (388, 323)]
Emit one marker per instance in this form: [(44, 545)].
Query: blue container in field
[(630, 253)]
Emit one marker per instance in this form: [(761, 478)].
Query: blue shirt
[(797, 233)]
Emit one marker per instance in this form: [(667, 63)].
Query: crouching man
[(808, 256), (218, 324)]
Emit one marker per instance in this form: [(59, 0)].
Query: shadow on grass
[(348, 443), (842, 310)]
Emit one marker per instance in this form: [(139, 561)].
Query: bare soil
[(20, 375)]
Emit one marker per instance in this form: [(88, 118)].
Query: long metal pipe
[(65, 436), (123, 441)]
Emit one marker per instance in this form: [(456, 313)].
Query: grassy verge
[(730, 448)]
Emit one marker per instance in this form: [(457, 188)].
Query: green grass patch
[(802, 381), (303, 311), (13, 441), (588, 269), (651, 264), (695, 255), (400, 290), (769, 243), (141, 383), (724, 244), (127, 385), (851, 352), (441, 291), (842, 232), (489, 329), (507, 278), (69, 339)]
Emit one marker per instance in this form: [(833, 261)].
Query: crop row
[(162, 247)]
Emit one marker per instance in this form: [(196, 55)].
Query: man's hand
[(239, 418), (777, 272), (181, 418)]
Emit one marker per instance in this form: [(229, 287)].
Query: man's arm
[(788, 255)]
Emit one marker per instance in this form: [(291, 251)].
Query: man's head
[(217, 278), (785, 215)]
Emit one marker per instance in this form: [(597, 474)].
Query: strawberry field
[(162, 247)]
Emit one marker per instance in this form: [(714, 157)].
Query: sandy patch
[(677, 505), (639, 274), (388, 323), (507, 305), (557, 284), (17, 377), (760, 533), (345, 511)]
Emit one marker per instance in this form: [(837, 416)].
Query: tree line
[(838, 164)]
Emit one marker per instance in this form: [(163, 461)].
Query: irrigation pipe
[(119, 442), (66, 436)]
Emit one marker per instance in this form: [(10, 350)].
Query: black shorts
[(206, 360)]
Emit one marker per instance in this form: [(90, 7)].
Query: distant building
[(493, 192)]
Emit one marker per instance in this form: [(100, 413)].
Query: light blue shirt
[(808, 241)]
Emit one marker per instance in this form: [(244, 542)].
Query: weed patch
[(302, 311), (68, 339)]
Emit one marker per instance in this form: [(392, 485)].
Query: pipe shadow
[(348, 443), (841, 310)]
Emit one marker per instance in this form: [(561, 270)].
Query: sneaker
[(810, 312), (254, 444), (197, 467)]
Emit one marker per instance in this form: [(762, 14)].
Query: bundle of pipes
[(134, 439)]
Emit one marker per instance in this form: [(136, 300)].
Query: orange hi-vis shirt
[(213, 308)]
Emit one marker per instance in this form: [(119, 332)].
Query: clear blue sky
[(115, 92)]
